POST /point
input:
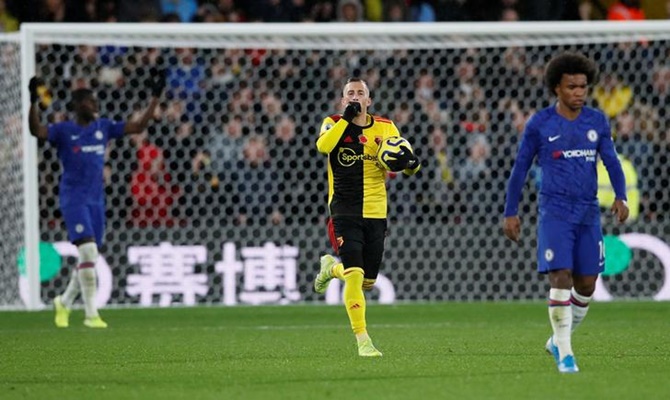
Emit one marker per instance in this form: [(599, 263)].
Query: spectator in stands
[(67, 11), (230, 11), (509, 14), (553, 10), (226, 145), (139, 11), (451, 10), (208, 13), (626, 10), (349, 11), (185, 9), (477, 164), (422, 11), (152, 189), (256, 182), (8, 23), (323, 11), (396, 11), (612, 95)]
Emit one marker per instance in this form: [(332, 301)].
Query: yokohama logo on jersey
[(96, 148), (588, 154)]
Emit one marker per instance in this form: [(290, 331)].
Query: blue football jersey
[(566, 152), (81, 150)]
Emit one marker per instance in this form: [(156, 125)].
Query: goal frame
[(360, 36)]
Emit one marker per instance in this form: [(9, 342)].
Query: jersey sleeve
[(330, 133), (115, 129), (611, 160), (54, 132), (524, 159)]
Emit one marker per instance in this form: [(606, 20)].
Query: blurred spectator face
[(402, 114), (625, 124), (396, 13), (349, 13), (509, 15), (480, 148), (184, 130), (465, 71), (271, 104), (661, 80), (174, 111), (255, 151), (285, 130), (425, 86), (88, 53), (54, 5), (234, 128), (515, 59), (610, 82), (138, 139), (438, 139)]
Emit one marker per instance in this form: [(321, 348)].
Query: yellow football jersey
[(356, 181)]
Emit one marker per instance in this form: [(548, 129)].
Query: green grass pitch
[(431, 351)]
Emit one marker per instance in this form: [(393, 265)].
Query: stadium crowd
[(14, 11), (237, 127)]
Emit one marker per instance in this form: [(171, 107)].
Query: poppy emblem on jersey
[(98, 135), (362, 139), (79, 228), (549, 255), (76, 149), (592, 135)]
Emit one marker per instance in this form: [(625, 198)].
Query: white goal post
[(406, 48)]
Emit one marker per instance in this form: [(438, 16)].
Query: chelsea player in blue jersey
[(81, 147), (566, 138)]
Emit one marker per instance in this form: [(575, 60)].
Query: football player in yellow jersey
[(357, 201)]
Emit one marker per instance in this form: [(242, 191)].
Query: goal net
[(223, 200), (11, 170)]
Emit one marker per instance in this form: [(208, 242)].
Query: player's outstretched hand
[(512, 227), (351, 111), (158, 81), (34, 83), (620, 209)]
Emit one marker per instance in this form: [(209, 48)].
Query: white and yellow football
[(389, 149)]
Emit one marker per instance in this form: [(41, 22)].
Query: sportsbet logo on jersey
[(347, 157)]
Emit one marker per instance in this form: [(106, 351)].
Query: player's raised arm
[(37, 129), (156, 85), (331, 131)]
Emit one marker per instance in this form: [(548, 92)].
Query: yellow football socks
[(338, 271), (354, 299)]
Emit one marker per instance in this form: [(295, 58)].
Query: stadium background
[(231, 158)]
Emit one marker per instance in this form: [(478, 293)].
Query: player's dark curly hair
[(80, 95), (569, 64)]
